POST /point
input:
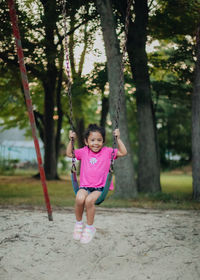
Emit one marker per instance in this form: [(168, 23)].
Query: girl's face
[(94, 141)]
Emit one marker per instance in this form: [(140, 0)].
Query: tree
[(80, 95), (99, 78), (196, 123), (42, 40), (148, 150), (125, 180), (169, 21), (148, 156), (171, 71), (182, 18)]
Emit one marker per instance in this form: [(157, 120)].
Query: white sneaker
[(78, 229), (87, 235)]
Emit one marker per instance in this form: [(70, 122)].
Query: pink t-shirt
[(94, 166)]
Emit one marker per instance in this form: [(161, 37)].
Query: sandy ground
[(129, 244)]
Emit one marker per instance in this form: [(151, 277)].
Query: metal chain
[(121, 83), (67, 64), (124, 49), (69, 83)]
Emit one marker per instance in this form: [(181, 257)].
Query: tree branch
[(14, 62)]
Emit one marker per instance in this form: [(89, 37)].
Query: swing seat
[(74, 182), (104, 193)]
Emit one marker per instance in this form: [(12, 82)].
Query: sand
[(130, 244)]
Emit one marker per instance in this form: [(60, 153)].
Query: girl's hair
[(95, 128)]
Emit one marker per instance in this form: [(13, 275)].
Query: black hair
[(95, 128)]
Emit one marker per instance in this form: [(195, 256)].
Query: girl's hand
[(122, 151), (72, 134), (116, 133)]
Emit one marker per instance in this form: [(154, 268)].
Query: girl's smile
[(94, 141)]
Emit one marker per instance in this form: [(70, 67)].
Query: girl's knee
[(89, 201), (80, 198)]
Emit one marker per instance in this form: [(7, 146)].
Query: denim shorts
[(90, 190)]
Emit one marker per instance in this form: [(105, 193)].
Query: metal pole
[(25, 83)]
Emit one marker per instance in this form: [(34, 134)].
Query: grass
[(24, 190), (180, 184)]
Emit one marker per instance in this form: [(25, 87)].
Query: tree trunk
[(148, 166), (50, 163), (59, 110), (196, 124), (124, 169), (104, 110), (49, 137), (80, 128)]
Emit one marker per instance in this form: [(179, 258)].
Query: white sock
[(89, 226), (79, 222)]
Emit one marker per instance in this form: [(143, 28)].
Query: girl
[(95, 163)]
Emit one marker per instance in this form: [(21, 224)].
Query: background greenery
[(24, 191), (171, 30)]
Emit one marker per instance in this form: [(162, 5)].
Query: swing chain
[(121, 83), (124, 50), (73, 169), (69, 83), (67, 65)]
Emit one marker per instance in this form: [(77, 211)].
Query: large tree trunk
[(49, 137), (80, 128), (124, 170), (59, 110), (148, 166), (196, 125), (50, 162)]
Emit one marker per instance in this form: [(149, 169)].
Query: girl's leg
[(79, 207), (80, 203), (90, 206), (89, 231)]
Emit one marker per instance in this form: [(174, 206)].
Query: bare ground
[(132, 244)]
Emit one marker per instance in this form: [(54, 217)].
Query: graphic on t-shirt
[(93, 160)]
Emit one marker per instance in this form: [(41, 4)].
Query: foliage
[(171, 64), (34, 43), (173, 17), (8, 166), (171, 79), (130, 89), (42, 35)]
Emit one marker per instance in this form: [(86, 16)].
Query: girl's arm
[(72, 135), (122, 151)]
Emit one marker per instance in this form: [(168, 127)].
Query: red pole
[(25, 83)]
